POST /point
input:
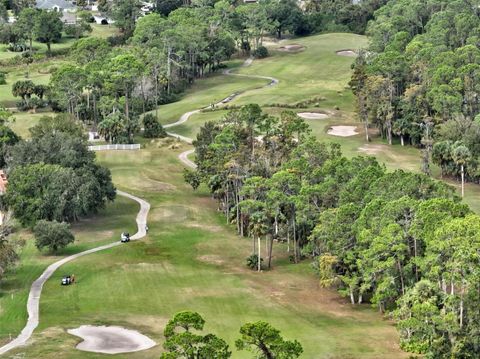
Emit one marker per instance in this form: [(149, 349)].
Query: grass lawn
[(102, 31), (39, 72), (316, 71), (91, 232), (204, 92), (192, 260), (25, 120)]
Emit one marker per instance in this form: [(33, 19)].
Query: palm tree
[(112, 126), (461, 156)]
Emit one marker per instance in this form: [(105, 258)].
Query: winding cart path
[(33, 303), (183, 157)]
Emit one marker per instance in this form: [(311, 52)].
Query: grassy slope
[(192, 260), (206, 91), (316, 71)]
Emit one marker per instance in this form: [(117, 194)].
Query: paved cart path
[(33, 303), (183, 157)]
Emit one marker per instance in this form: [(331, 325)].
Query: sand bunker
[(342, 131), (348, 53), (111, 340), (312, 115), (291, 48)]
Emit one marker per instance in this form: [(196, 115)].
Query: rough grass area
[(192, 260)]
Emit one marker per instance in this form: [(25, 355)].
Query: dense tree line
[(419, 79), (394, 239)]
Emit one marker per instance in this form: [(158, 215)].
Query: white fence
[(114, 147)]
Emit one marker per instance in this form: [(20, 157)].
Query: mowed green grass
[(205, 92), (102, 31), (191, 260), (315, 71), (90, 232), (23, 121), (40, 72)]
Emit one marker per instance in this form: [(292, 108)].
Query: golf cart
[(125, 237), (66, 280)]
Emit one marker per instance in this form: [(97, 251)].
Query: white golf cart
[(125, 237)]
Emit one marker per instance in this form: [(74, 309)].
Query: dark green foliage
[(421, 73), (183, 342), (252, 262), (48, 27), (56, 164), (8, 138), (374, 234), (261, 52), (52, 235), (8, 249), (152, 128), (165, 7), (266, 342), (192, 178), (125, 13)]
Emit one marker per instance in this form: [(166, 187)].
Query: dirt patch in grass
[(347, 53), (292, 48), (162, 267), (171, 213), (370, 149), (211, 259), (209, 228)]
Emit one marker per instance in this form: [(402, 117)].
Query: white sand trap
[(313, 115), (348, 53), (111, 340), (342, 131), (291, 48)]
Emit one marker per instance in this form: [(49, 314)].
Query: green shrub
[(252, 262), (152, 128), (261, 52), (52, 235)]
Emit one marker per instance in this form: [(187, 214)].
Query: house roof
[(50, 4)]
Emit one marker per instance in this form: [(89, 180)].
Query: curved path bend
[(33, 303), (183, 157)]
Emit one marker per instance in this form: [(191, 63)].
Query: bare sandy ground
[(342, 131), (291, 48), (111, 340), (348, 53), (312, 115)]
